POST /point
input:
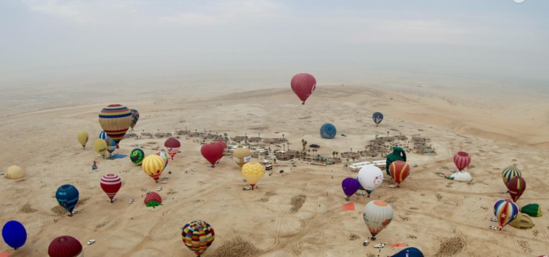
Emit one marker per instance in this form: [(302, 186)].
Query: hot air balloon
[(115, 120), (137, 155), (377, 117), (173, 146), (350, 186), (14, 172), (409, 252), (100, 147), (103, 135), (198, 235), (67, 196), (212, 152), (222, 143), (14, 234), (516, 188), (65, 246), (462, 160), (533, 210), (111, 145), (522, 221), (82, 137), (509, 173), (370, 177), (253, 172), (303, 85), (505, 211), (242, 156), (135, 117), (164, 157), (399, 171), (328, 131), (462, 176), (398, 154), (153, 199), (153, 166), (377, 216), (111, 183)]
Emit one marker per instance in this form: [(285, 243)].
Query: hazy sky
[(64, 41)]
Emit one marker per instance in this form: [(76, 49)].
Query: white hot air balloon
[(377, 216), (370, 177)]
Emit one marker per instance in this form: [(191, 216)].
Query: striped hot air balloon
[(505, 211), (377, 216), (65, 246), (462, 160), (153, 166), (509, 173), (103, 135), (111, 183), (198, 235), (67, 196), (115, 120), (516, 188), (399, 171)]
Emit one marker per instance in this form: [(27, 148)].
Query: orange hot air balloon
[(399, 171)]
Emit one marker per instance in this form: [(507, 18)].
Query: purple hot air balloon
[(350, 186)]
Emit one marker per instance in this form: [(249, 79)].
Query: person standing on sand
[(94, 166)]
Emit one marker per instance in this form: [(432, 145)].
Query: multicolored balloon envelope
[(409, 252), (103, 135), (82, 137), (370, 177), (242, 156), (153, 165), (111, 183), (153, 199), (137, 155), (100, 146), (14, 234), (115, 120), (377, 117), (164, 157), (65, 246), (253, 172), (135, 117), (377, 216), (516, 188), (462, 160), (212, 152), (350, 186), (505, 211), (509, 173), (303, 85), (172, 145), (328, 131), (198, 235), (67, 196), (111, 145), (399, 171)]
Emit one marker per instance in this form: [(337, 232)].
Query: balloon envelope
[(328, 131), (172, 145), (212, 152), (153, 165), (463, 176), (137, 155), (377, 216), (222, 143), (67, 196), (409, 252), (370, 177), (242, 156), (102, 135), (164, 157), (82, 137), (505, 211), (115, 120), (303, 85), (111, 144), (522, 221), (253, 172), (100, 146), (516, 188), (462, 160), (135, 117), (377, 117), (14, 234), (399, 171), (350, 186), (533, 210), (14, 172), (65, 246), (111, 183), (198, 236), (509, 173)]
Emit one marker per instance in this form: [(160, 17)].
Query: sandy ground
[(497, 125)]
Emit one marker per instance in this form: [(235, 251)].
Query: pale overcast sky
[(49, 41)]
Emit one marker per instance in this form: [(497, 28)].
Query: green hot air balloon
[(137, 155)]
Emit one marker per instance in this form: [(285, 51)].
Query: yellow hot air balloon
[(522, 221), (100, 147), (153, 165), (242, 156), (253, 172), (115, 120), (14, 172), (82, 138)]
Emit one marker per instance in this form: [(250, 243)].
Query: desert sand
[(300, 213)]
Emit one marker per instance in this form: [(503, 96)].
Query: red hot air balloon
[(212, 152), (516, 187), (222, 143), (303, 85), (462, 160), (173, 146), (153, 199), (65, 246), (110, 184), (399, 171)]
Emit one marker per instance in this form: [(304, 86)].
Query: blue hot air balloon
[(67, 196), (409, 252), (14, 234), (328, 131), (103, 135), (378, 117)]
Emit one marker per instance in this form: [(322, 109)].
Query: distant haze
[(74, 42)]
